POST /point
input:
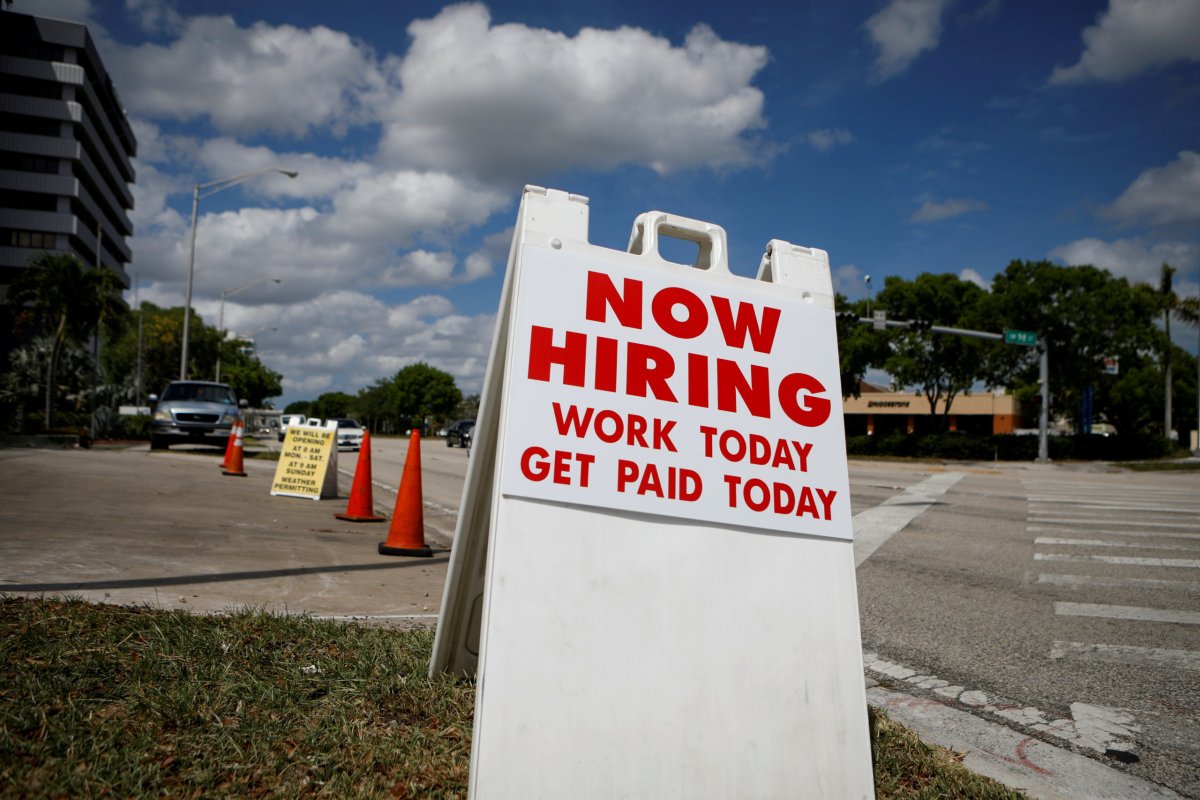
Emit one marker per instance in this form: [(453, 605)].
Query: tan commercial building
[(880, 412)]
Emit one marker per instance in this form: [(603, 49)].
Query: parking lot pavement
[(168, 530)]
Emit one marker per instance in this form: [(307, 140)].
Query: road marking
[(1076, 581), (1126, 654), (1141, 534), (1107, 509), (1127, 612), (1106, 543), (1185, 563), (873, 527), (1108, 520)]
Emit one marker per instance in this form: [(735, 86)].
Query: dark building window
[(23, 162), (28, 201), (35, 239), (37, 126), (32, 87)]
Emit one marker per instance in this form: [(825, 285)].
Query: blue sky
[(902, 136)]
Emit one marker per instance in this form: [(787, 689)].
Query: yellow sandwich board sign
[(653, 574), (308, 462)]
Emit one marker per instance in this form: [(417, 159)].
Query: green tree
[(468, 408), (860, 346), (70, 303), (376, 406), (941, 365), (332, 404), (160, 346), (1171, 304), (1083, 314), (424, 393), (251, 380)]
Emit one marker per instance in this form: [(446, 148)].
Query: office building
[(65, 148)]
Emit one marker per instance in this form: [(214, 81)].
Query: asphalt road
[(1060, 601)]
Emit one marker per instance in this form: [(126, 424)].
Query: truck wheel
[(448, 442), (158, 443)]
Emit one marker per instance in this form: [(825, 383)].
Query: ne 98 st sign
[(646, 387)]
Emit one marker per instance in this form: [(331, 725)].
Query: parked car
[(199, 412), (460, 433), (349, 433), (286, 420)]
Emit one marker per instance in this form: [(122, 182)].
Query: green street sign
[(1028, 338)]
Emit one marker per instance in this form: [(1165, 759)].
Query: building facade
[(878, 412), (65, 148)]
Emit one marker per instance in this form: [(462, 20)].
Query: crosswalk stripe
[(1185, 563), (1093, 505), (1106, 543), (1077, 581), (1110, 532), (1138, 613), (1043, 517), (1127, 654)]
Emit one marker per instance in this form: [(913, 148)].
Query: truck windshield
[(201, 392)]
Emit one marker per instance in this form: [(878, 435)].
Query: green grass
[(107, 701), (1163, 466)]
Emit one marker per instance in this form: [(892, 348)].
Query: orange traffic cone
[(361, 507), (406, 536), (229, 445), (236, 465)]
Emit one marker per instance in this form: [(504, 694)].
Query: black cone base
[(422, 552)]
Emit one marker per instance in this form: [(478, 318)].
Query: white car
[(349, 433)]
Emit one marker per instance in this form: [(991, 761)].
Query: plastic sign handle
[(650, 226)]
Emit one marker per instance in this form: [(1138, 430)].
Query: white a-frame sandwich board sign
[(653, 574)]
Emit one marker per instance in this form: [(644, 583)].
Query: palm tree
[(69, 302), (1187, 309)]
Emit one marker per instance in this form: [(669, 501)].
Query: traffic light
[(847, 316), (919, 324)]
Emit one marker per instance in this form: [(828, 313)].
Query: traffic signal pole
[(1043, 361)]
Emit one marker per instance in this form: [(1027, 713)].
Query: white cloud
[(1134, 36), (507, 102), (262, 78), (319, 176), (346, 340), (931, 211), (155, 16), (1137, 259), (420, 268), (1162, 195), (902, 31), (973, 276), (396, 206), (826, 139), (848, 281)]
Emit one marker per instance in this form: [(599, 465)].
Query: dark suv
[(199, 412), (460, 433)]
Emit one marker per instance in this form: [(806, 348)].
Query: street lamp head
[(291, 173), (866, 278)]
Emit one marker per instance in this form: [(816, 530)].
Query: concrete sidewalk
[(168, 530)]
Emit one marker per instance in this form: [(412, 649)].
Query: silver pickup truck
[(198, 412)]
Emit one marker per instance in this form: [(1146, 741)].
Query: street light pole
[(215, 186), (221, 316), (867, 280)]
